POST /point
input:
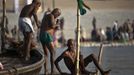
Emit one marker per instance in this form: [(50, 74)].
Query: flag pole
[(80, 11), (78, 41)]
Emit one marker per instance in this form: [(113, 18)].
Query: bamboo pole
[(78, 41), (53, 1), (100, 57), (16, 6), (43, 5), (2, 27)]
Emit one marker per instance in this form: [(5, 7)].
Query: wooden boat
[(14, 65)]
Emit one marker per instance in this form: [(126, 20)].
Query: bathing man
[(47, 31)]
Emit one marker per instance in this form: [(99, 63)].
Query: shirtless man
[(25, 25), (69, 57), (47, 31)]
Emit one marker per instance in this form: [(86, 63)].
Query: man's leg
[(46, 59), (94, 59), (52, 55), (83, 64), (27, 44)]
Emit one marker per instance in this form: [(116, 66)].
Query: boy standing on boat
[(25, 25), (47, 31), (69, 57)]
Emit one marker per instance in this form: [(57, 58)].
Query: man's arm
[(52, 22), (35, 9), (36, 19), (86, 6), (57, 61)]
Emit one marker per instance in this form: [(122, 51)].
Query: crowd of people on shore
[(116, 33)]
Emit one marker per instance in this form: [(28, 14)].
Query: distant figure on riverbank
[(69, 57), (95, 33), (94, 23), (25, 25), (62, 39), (109, 34), (82, 34), (47, 32)]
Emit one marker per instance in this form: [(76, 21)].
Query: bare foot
[(20, 52), (27, 57)]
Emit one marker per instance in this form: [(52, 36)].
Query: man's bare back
[(27, 11)]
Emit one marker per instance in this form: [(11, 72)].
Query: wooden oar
[(100, 57)]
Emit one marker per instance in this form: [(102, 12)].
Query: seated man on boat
[(69, 57)]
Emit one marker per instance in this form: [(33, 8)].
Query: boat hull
[(14, 65)]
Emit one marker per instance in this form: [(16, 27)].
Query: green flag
[(80, 5)]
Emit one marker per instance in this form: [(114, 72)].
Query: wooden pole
[(78, 41), (16, 6), (43, 5), (3, 26), (100, 57), (53, 1)]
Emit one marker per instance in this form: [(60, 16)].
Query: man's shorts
[(45, 38), (24, 27)]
